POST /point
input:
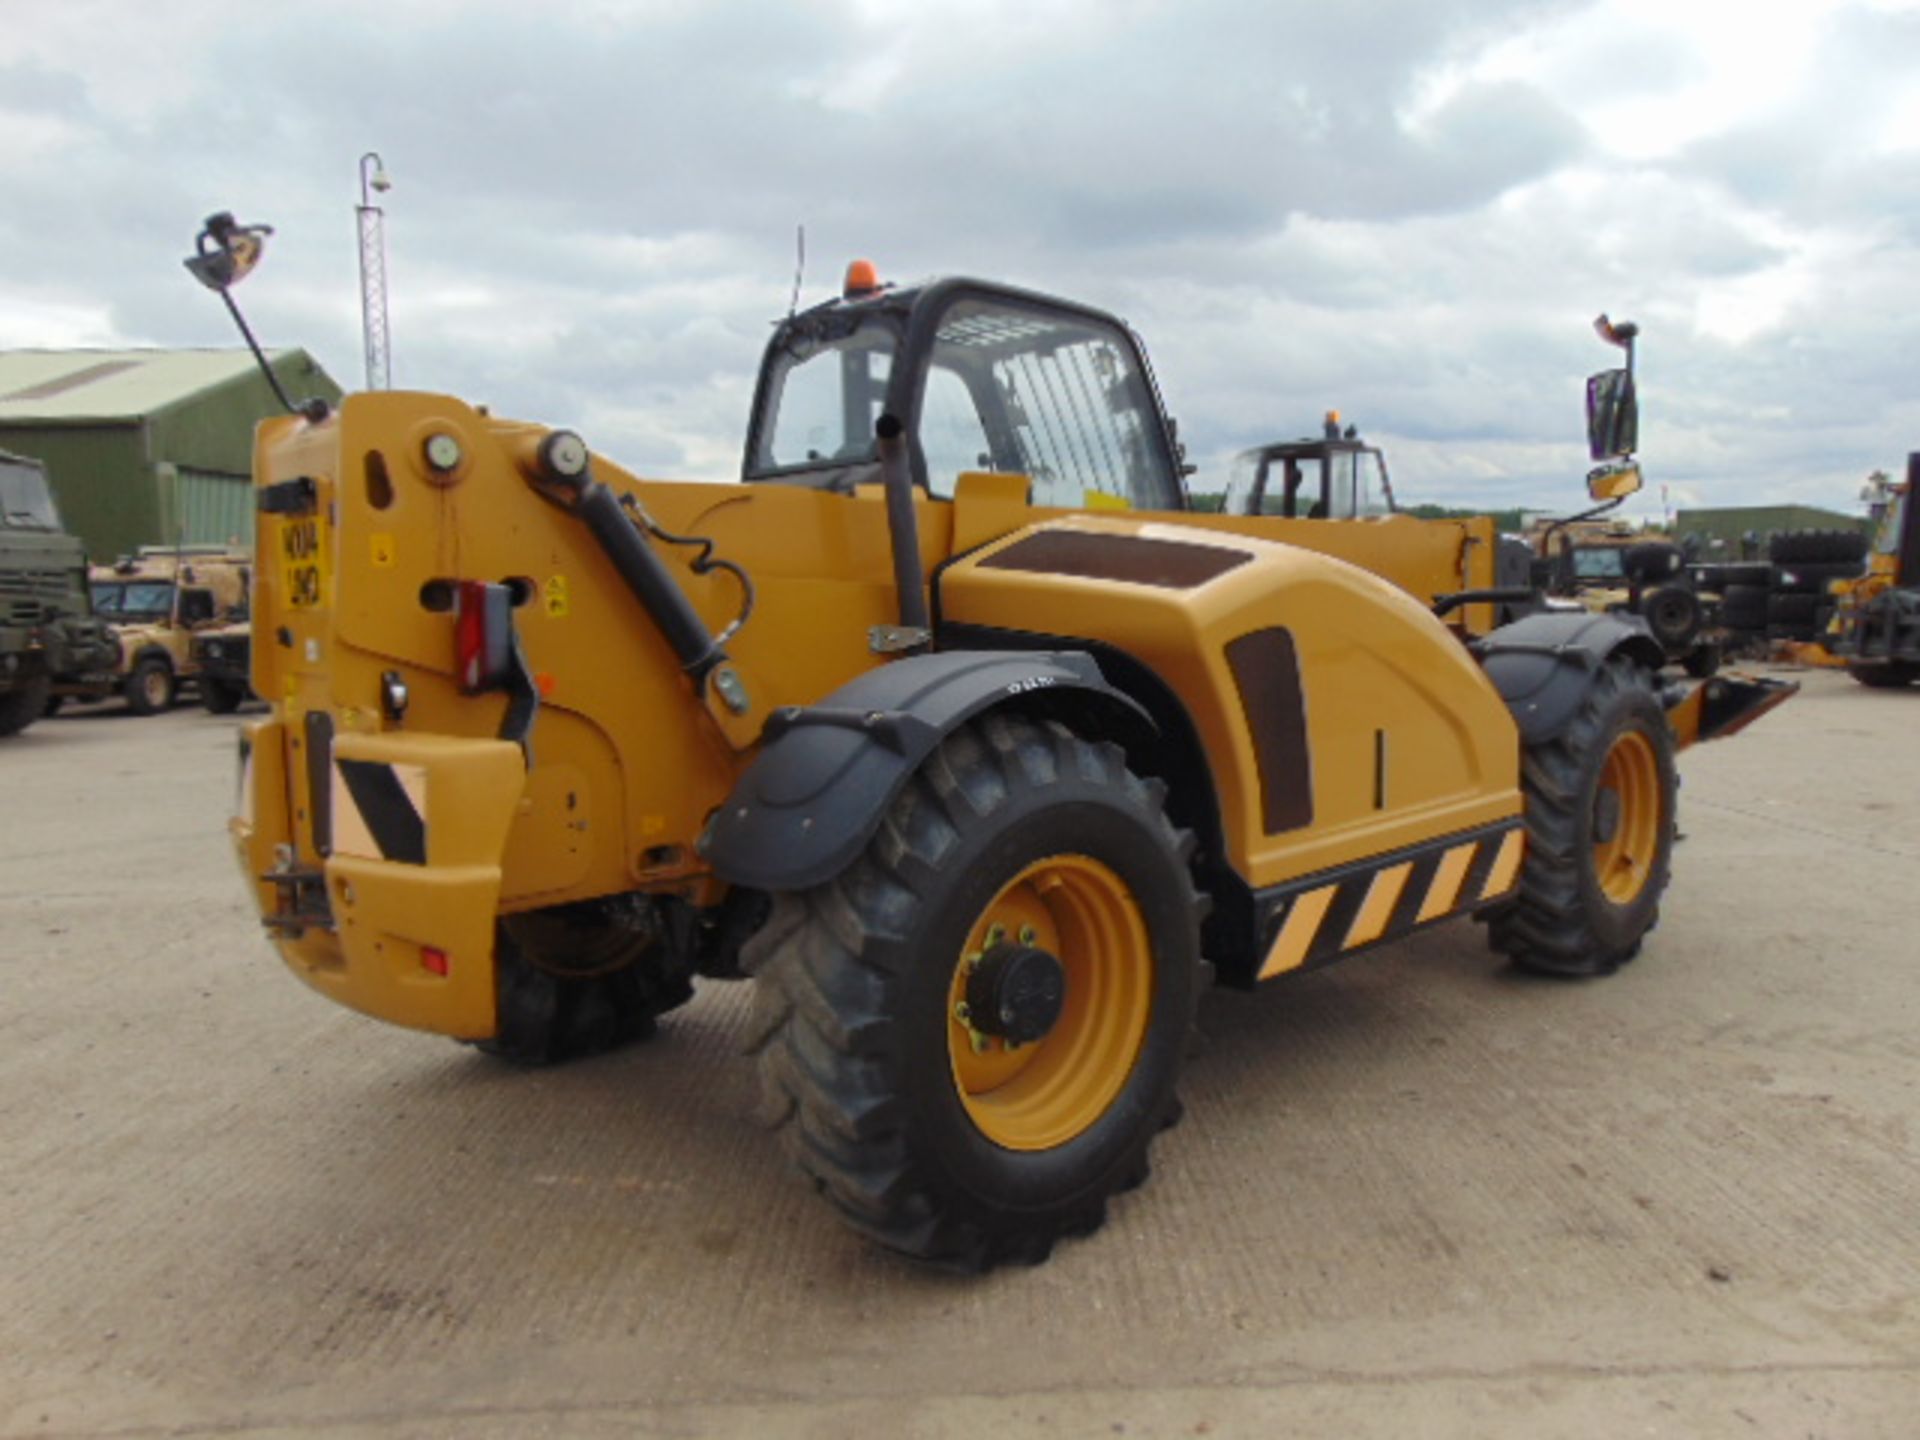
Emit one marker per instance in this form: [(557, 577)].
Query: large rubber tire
[(577, 980), (149, 686), (1818, 547), (1600, 827), (1886, 675), (1811, 577), (21, 706), (221, 697), (1792, 611), (1747, 572), (1652, 562), (1703, 661), (1673, 614), (1744, 607), (970, 1157)]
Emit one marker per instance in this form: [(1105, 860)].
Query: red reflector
[(433, 958), (470, 634)]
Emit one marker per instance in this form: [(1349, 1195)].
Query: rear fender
[(827, 773)]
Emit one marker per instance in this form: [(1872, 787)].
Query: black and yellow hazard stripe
[(378, 811), (1322, 917)]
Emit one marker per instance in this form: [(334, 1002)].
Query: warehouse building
[(1724, 531), (148, 447)]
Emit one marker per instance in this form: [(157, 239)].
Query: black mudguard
[(826, 774), (1541, 665)]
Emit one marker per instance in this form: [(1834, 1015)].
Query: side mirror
[(1613, 415), (1606, 483), (225, 251)]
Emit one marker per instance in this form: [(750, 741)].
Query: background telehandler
[(1876, 621)]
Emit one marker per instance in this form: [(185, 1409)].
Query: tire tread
[(822, 1031)]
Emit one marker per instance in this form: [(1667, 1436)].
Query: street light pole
[(373, 272)]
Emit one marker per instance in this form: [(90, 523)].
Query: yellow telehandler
[(953, 726), (1875, 629)]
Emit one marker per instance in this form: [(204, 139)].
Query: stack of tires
[(1805, 564), (1743, 588), (1785, 596)]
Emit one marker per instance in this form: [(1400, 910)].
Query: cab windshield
[(133, 599), (1598, 564), (1317, 483), (1887, 542), (825, 391), (25, 503)]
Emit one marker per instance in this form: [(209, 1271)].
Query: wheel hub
[(1066, 926), (1016, 992), (1629, 816)]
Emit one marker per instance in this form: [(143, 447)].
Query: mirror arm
[(1546, 538), (315, 410), (224, 253)]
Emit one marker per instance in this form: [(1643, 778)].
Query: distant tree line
[(1505, 521)]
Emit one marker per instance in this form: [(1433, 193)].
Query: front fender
[(1541, 665), (826, 774)]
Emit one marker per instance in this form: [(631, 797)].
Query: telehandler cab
[(953, 726)]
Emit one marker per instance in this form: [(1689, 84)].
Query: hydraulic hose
[(648, 578)]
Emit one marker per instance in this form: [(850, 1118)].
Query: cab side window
[(1059, 398)]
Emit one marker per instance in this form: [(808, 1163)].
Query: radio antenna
[(799, 266)]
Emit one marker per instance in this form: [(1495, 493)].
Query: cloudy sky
[(1408, 209)]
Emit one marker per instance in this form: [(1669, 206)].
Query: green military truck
[(47, 627)]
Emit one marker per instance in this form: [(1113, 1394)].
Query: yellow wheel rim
[(1038, 1096), (1623, 863)]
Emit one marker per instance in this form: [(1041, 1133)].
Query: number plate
[(303, 560)]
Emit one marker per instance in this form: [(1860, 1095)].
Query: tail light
[(482, 635)]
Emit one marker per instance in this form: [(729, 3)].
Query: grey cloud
[(593, 219)]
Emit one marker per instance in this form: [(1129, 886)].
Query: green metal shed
[(148, 447), (1733, 523)]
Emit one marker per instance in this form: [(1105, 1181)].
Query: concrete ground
[(1414, 1196)]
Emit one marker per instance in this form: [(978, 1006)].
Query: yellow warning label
[(382, 551), (554, 592)]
